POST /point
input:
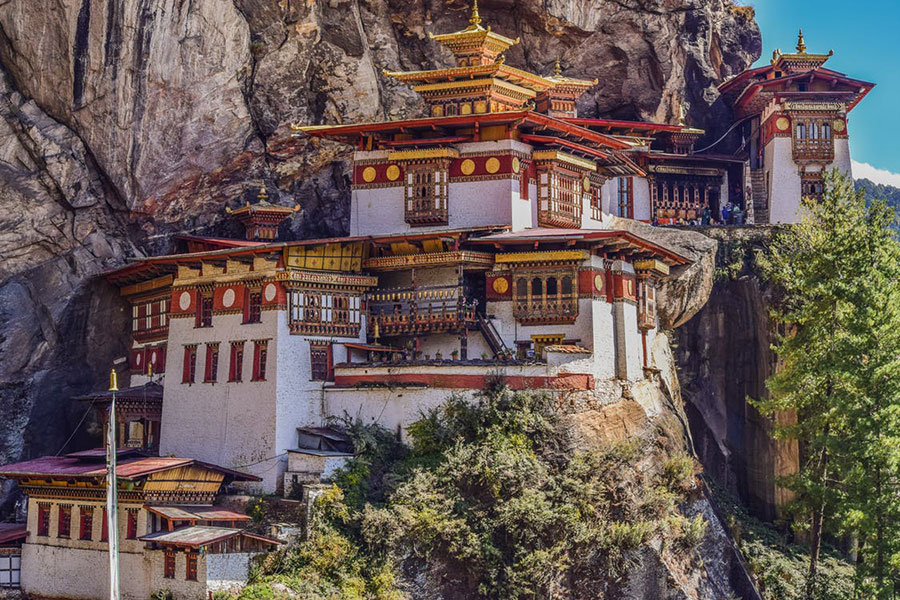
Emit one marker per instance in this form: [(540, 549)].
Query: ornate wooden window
[(426, 193), (813, 139), (132, 525), (43, 519), (190, 566), (169, 564), (546, 297), (626, 197), (211, 371), (812, 185), (323, 313), (560, 192), (150, 319), (85, 522), (646, 304), (189, 368), (104, 528), (64, 521), (260, 355), (204, 311), (236, 364), (253, 306), (320, 361)]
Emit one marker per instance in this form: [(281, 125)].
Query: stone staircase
[(760, 196)]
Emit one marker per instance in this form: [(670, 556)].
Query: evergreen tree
[(839, 270)]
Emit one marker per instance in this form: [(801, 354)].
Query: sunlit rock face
[(123, 122)]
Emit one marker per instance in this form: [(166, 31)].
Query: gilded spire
[(475, 19), (801, 45), (262, 195), (557, 69)]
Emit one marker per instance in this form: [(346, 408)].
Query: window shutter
[(186, 370)]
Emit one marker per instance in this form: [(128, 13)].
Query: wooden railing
[(419, 310), (552, 309), (814, 149)]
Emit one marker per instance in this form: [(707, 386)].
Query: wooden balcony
[(819, 149), (415, 311), (550, 310)]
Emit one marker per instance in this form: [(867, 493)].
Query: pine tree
[(839, 270)]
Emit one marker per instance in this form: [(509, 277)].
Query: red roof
[(218, 242), (549, 234), (128, 468), (198, 535), (198, 513), (11, 532)]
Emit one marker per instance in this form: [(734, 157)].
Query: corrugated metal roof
[(150, 391), (129, 468), (10, 532), (198, 513), (199, 535)]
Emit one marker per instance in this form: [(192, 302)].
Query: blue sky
[(866, 44)]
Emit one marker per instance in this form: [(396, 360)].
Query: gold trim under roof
[(559, 155)]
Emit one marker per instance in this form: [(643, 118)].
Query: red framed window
[(104, 528), (64, 521), (204, 311), (626, 197), (253, 306), (169, 565), (131, 531), (85, 522), (189, 370), (190, 566), (260, 355), (523, 184), (321, 366), (236, 364), (212, 362), (43, 519)]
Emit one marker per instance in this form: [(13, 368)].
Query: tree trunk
[(818, 518)]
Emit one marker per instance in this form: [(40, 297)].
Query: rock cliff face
[(124, 121)]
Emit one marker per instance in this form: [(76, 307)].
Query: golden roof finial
[(262, 195), (681, 121), (557, 70), (801, 45), (475, 19), (113, 381)]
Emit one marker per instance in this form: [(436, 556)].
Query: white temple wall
[(511, 331), (604, 346), (231, 424), (842, 160), (81, 573), (784, 181), (634, 343), (299, 400), (227, 572), (380, 211), (73, 541), (642, 199), (179, 586), (392, 408)]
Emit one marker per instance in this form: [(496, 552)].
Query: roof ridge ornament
[(801, 45), (475, 19), (557, 69)]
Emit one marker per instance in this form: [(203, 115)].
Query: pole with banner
[(112, 521)]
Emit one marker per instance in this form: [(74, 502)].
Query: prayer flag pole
[(112, 521)]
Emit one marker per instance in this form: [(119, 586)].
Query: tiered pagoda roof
[(790, 77)]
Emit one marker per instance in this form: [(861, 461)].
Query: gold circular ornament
[(492, 165), (501, 285), (368, 174), (839, 126), (393, 173), (465, 108), (586, 184), (467, 167), (782, 123), (598, 282), (516, 165)]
